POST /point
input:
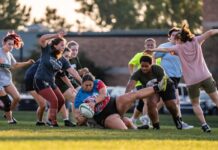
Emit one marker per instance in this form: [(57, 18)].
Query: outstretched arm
[(43, 40), (22, 64), (165, 50), (206, 35), (75, 74), (130, 86)]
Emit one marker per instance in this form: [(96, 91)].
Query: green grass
[(25, 135)]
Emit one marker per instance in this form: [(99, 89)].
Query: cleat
[(186, 126), (206, 128), (40, 123), (145, 120), (143, 127)]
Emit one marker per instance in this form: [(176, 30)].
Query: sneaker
[(40, 123), (145, 120), (186, 126), (14, 120), (143, 127), (50, 124), (156, 126), (206, 128), (162, 85), (68, 123), (178, 122)]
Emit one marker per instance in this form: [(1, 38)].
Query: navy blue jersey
[(49, 65)]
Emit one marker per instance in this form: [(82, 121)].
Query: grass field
[(26, 136)]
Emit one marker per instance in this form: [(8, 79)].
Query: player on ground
[(109, 112)]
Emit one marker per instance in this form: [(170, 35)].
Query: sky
[(65, 8)]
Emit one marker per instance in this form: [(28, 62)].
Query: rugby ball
[(86, 111)]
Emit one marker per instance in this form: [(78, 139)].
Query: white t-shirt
[(6, 60)]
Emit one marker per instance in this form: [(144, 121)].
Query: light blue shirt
[(169, 62)]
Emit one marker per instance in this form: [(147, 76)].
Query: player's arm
[(67, 81), (133, 63), (75, 74), (206, 35), (131, 68), (43, 40), (164, 50), (22, 64), (130, 85)]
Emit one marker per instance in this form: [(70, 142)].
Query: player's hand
[(61, 33), (31, 61), (91, 105)]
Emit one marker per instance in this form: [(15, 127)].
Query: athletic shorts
[(29, 84), (110, 109), (39, 84), (61, 85), (209, 85), (175, 81), (170, 92)]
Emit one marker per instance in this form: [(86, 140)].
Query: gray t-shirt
[(6, 60), (49, 65)]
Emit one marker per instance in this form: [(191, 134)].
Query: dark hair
[(18, 42), (56, 41), (173, 29), (184, 34), (146, 59), (67, 50), (88, 77)]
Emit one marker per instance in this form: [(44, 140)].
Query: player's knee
[(16, 98), (7, 102)]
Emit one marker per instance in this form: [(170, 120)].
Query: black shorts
[(61, 85), (170, 92), (29, 84), (110, 109), (39, 84), (175, 81)]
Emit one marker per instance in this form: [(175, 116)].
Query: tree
[(12, 15), (140, 14), (53, 21)]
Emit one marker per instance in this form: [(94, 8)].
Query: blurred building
[(114, 49), (210, 12)]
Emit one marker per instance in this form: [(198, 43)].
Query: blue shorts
[(29, 84), (41, 84)]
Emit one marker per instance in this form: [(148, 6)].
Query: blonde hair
[(72, 43), (150, 39)]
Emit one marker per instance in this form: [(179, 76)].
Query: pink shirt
[(193, 64)]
